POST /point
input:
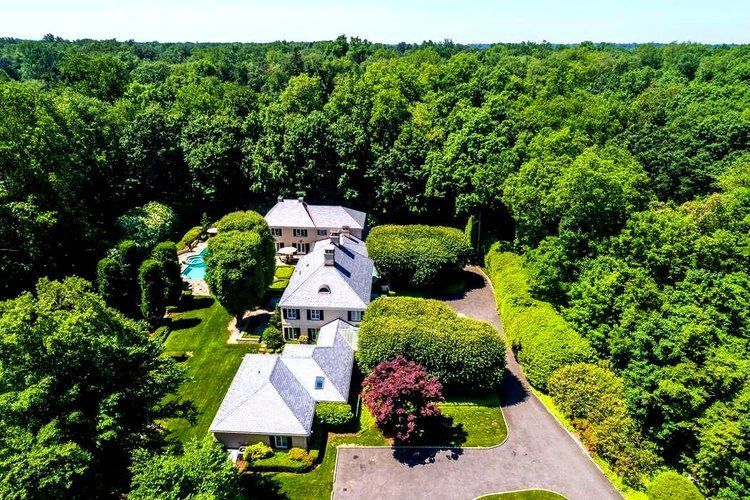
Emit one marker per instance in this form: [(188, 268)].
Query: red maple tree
[(400, 395)]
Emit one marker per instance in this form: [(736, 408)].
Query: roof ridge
[(229, 412), (296, 381)]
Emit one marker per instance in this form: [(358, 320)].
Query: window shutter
[(348, 315), (298, 314), (284, 313), (308, 315), (321, 315)]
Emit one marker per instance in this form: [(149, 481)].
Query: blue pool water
[(196, 267)]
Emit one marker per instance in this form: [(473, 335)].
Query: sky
[(387, 21)]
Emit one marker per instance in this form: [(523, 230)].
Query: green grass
[(481, 419), (280, 460), (201, 332), (281, 278), (524, 495)]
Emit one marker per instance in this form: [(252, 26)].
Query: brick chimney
[(329, 252)]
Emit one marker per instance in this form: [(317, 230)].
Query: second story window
[(276, 231), (300, 233), (322, 232), (315, 314), (290, 313), (355, 316)]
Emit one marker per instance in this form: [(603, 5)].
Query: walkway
[(538, 453)]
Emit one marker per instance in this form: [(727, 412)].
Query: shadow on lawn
[(259, 486), (190, 303), (184, 323), (442, 435)]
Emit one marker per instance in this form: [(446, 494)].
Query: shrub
[(670, 485), (189, 237), (165, 253), (334, 414), (153, 295), (273, 337), (465, 354), (471, 231), (302, 339), (148, 224), (113, 282), (541, 338), (244, 221), (300, 455), (593, 398), (400, 395), (417, 256), (257, 451)]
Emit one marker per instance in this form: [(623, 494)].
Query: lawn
[(281, 278), (481, 419), (200, 332), (524, 495)]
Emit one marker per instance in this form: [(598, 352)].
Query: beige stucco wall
[(230, 440), (287, 235)]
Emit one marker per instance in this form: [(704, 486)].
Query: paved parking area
[(539, 452)]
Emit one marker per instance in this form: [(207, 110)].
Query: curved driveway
[(539, 452)]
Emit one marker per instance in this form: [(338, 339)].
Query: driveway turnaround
[(538, 454)]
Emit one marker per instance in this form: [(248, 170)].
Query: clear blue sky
[(562, 21)]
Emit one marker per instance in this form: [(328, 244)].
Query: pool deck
[(198, 287)]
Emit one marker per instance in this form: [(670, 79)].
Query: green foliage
[(257, 451), (200, 471), (300, 455), (148, 224), (82, 386), (273, 337), (190, 236), (153, 291), (244, 221), (593, 398), (417, 256), (165, 253), (334, 414), (542, 339), (465, 354), (239, 269), (113, 281), (670, 485)]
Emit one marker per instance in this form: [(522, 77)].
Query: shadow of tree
[(440, 435), (184, 323), (512, 391), (259, 486), (190, 303)]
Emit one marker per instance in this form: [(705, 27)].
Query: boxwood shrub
[(417, 256), (466, 354), (541, 338), (334, 414), (669, 485)]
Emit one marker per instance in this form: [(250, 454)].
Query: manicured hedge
[(466, 354), (542, 340), (192, 235), (592, 397), (671, 485), (417, 256), (334, 414)]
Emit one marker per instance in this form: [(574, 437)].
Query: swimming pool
[(196, 267)]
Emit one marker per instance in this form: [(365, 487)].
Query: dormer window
[(324, 289), (319, 382)]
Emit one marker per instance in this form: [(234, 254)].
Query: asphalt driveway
[(538, 453)]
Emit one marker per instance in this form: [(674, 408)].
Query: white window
[(291, 313), (302, 247), (300, 233), (281, 442), (291, 333), (276, 231), (316, 314), (279, 246), (355, 316), (319, 382), (312, 333), (322, 232)]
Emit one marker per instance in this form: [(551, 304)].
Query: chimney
[(328, 254), (301, 199), (280, 199), (345, 230)]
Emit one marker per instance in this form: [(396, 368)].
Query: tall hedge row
[(542, 340), (417, 256), (466, 354)]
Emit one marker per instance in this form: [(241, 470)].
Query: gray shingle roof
[(293, 213), (276, 394), (349, 280)]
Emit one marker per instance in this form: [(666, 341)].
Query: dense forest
[(621, 173)]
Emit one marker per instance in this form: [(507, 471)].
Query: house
[(297, 224), (333, 281), (272, 397)]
